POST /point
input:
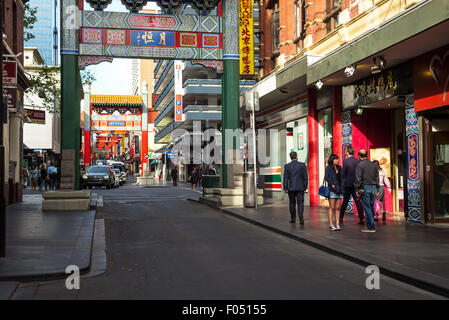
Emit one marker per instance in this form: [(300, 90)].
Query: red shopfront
[(377, 115), (431, 88)]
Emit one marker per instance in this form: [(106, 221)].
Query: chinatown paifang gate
[(92, 36), (112, 122)]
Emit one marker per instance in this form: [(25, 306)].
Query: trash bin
[(248, 189)]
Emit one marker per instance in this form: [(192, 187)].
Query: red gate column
[(337, 129), (144, 141), (312, 120), (87, 128)]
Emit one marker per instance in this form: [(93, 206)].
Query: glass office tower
[(45, 30)]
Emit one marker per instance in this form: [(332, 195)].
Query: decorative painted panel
[(212, 64), (69, 43), (413, 175), (346, 128), (125, 43), (121, 34), (123, 20), (84, 61), (231, 29)]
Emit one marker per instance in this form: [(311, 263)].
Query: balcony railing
[(168, 69), (164, 93), (169, 107)]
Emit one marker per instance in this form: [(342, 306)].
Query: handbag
[(324, 190)]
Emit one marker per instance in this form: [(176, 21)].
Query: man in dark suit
[(349, 168), (295, 183)]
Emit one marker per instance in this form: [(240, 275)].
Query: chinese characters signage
[(9, 70), (246, 36), (389, 83), (152, 38)]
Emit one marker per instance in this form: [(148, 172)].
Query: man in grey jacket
[(367, 185)]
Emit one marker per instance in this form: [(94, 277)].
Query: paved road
[(161, 246)]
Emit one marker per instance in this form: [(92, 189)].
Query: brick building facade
[(13, 50)]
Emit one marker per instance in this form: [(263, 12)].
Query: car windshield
[(119, 167), (100, 170)]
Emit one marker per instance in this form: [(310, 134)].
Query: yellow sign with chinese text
[(246, 36)]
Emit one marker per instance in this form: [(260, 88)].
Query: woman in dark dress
[(335, 180), (194, 178)]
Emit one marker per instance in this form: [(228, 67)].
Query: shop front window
[(275, 26), (440, 146)]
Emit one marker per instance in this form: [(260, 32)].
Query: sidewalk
[(40, 245), (414, 253)]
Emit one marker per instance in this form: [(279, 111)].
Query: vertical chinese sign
[(178, 91), (246, 32)]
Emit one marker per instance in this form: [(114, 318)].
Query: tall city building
[(45, 30)]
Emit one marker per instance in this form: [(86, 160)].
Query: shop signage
[(119, 123), (11, 97), (389, 83), (431, 79), (179, 116), (9, 71), (36, 116), (246, 36), (272, 178)]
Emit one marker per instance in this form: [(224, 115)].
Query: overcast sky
[(115, 77)]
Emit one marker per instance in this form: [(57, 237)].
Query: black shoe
[(361, 222), (341, 221), (376, 219), (384, 216), (301, 222), (292, 221)]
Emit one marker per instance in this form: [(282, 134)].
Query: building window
[(300, 17), (275, 25), (333, 9)]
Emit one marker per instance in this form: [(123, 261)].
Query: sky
[(115, 77)]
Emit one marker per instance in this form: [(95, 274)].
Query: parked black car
[(99, 176)]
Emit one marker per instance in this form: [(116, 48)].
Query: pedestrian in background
[(349, 168), (26, 177), (383, 181), (194, 178), (211, 171), (51, 176), (34, 177), (295, 183), (335, 180), (44, 178), (174, 175), (367, 186)]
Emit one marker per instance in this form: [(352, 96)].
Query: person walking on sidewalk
[(34, 177), (383, 181), (194, 178), (336, 181), (367, 186), (174, 176), (349, 167), (295, 183), (44, 178)]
